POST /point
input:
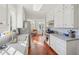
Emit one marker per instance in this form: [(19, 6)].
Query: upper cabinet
[(3, 15), (58, 16), (16, 16), (12, 11), (19, 16), (66, 16)]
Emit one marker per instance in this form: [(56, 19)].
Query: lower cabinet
[(58, 45), (72, 47), (64, 47)]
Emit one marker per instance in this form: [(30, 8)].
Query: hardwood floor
[(39, 47)]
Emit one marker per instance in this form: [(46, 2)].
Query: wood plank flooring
[(39, 47)]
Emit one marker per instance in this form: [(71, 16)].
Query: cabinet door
[(72, 47), (60, 46), (3, 18), (58, 16), (52, 42), (68, 16), (3, 15)]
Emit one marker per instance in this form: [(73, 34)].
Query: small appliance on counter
[(50, 31), (72, 34)]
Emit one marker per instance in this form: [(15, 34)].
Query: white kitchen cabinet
[(15, 14), (62, 46), (70, 16), (58, 16), (12, 9), (19, 16), (71, 47), (4, 18), (52, 42), (3, 15), (58, 45), (66, 16)]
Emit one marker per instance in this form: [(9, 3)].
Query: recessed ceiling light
[(37, 7)]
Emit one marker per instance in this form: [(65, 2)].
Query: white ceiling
[(46, 10)]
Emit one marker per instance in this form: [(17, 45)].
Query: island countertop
[(63, 37)]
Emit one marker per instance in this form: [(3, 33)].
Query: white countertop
[(63, 37)]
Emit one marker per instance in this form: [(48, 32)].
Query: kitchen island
[(64, 45)]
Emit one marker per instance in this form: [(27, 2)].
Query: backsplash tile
[(66, 30)]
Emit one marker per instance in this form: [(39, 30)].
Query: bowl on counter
[(66, 34)]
